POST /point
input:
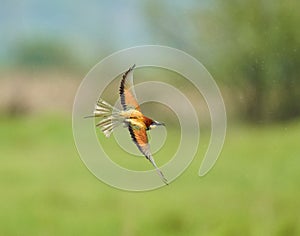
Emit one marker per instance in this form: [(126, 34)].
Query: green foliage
[(260, 49), (45, 53), (47, 190)]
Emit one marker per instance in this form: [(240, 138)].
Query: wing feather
[(127, 93), (140, 138)]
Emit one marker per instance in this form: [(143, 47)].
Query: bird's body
[(131, 117), (136, 118)]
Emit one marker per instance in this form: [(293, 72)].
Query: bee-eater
[(130, 116)]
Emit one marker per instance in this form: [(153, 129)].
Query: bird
[(130, 116)]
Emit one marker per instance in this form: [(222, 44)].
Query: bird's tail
[(110, 117), (161, 175)]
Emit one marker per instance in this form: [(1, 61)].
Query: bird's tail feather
[(110, 115), (161, 175)]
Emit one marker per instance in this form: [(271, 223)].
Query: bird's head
[(155, 124)]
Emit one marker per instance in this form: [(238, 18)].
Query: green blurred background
[(252, 49)]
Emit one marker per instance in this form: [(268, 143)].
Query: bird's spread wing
[(139, 137), (127, 94)]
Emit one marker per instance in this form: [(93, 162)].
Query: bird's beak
[(159, 123)]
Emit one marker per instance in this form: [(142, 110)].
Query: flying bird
[(130, 116)]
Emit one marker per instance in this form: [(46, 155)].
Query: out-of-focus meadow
[(251, 48)]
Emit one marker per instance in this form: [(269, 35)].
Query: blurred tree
[(260, 51), (45, 54)]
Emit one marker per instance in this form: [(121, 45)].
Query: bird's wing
[(127, 94), (140, 138)]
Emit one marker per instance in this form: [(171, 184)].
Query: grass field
[(47, 190)]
